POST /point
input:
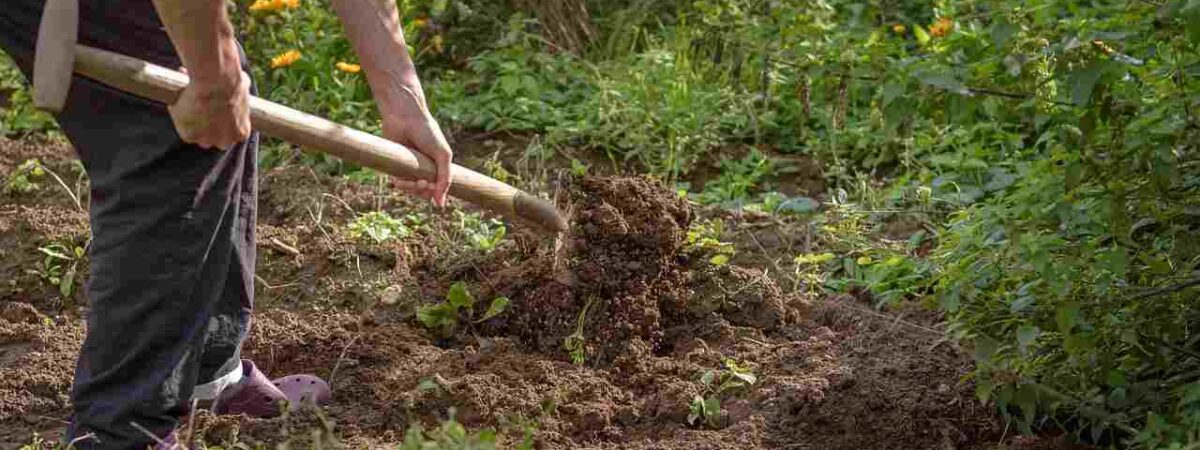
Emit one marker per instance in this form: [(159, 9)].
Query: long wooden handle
[(164, 85)]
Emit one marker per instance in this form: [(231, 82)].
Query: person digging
[(173, 210)]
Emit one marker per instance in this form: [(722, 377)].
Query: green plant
[(24, 179), (482, 234), (444, 318), (18, 116), (576, 343), (706, 409), (59, 266), (380, 227), (452, 435), (704, 238), (738, 179)]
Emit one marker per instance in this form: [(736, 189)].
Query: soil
[(649, 318)]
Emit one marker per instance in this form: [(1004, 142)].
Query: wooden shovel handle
[(164, 85)]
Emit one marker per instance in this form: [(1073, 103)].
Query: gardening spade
[(59, 56)]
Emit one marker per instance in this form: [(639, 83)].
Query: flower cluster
[(273, 5), (942, 27)]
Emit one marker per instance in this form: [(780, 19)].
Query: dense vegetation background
[(1049, 146)]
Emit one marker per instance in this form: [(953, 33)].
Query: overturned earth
[(609, 331)]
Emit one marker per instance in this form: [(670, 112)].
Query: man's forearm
[(204, 39), (373, 27)]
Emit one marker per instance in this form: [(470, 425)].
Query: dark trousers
[(172, 253)]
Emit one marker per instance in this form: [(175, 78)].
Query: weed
[(706, 409), (382, 227), (483, 234), (18, 116), (738, 179), (451, 435), (60, 266), (444, 318), (25, 178), (576, 343), (704, 238)]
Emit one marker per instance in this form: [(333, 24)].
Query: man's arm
[(213, 111), (373, 27)]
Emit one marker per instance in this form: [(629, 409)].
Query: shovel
[(58, 56)]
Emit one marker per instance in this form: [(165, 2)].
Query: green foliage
[(444, 318), (706, 409), (25, 178), (482, 234), (381, 227), (738, 179), (18, 116), (60, 266), (451, 435), (704, 239)]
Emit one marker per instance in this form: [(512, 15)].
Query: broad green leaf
[(459, 297), (719, 260), (1026, 335), (921, 35), (1083, 82), (1066, 317), (707, 378), (499, 304), (985, 347)]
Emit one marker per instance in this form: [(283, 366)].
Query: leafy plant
[(576, 343), (444, 318), (738, 179), (706, 409), (452, 435), (59, 266), (704, 238), (483, 234), (24, 179), (379, 226), (18, 116)]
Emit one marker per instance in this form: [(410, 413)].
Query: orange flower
[(273, 5), (347, 67), (899, 29), (942, 27), (285, 59)]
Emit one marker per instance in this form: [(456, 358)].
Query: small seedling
[(450, 435), (706, 409), (576, 343), (483, 234), (25, 178), (704, 238), (379, 226), (59, 266), (444, 318), (578, 168)]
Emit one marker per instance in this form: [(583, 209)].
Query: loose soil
[(649, 318)]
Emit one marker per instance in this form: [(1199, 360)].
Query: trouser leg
[(172, 261)]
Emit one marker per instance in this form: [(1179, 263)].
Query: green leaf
[(985, 347), (54, 254), (707, 378), (921, 34), (1066, 317), (1083, 82), (459, 297), (1026, 335), (66, 286), (499, 304), (719, 260)]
